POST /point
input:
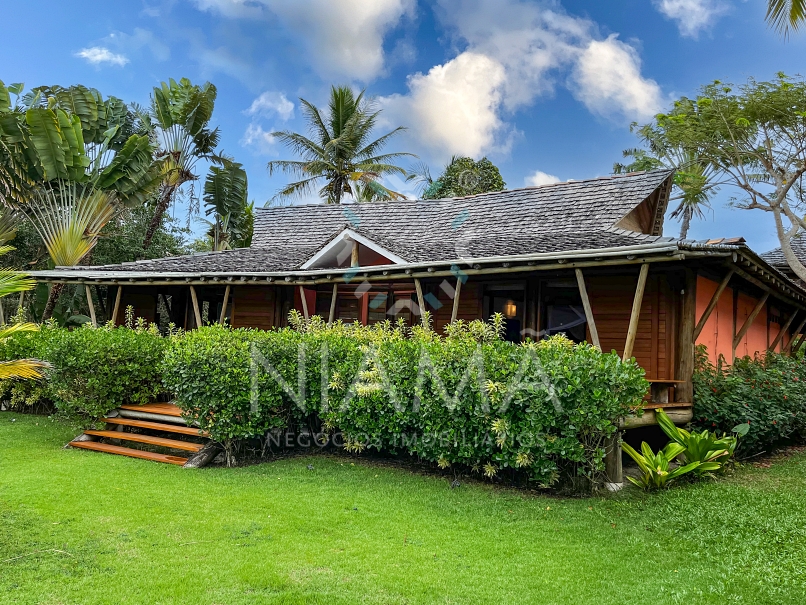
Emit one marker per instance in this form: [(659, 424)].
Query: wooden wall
[(611, 302), (256, 307), (470, 304)]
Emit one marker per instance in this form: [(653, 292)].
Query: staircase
[(157, 428)]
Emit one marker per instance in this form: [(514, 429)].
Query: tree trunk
[(686, 223), (785, 239), (53, 297), (166, 195)]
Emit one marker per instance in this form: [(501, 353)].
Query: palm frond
[(786, 16)]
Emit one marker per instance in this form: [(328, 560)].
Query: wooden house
[(586, 258)]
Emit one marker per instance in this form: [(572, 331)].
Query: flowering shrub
[(768, 393), (468, 398)]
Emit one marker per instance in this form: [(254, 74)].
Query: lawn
[(83, 527)]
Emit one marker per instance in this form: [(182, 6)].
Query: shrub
[(26, 395), (94, 369), (768, 393), (468, 399)]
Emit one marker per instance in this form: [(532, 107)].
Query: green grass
[(82, 527)]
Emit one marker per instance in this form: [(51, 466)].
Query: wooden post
[(224, 306), (586, 304), (116, 309), (332, 317), (22, 300), (196, 312), (455, 310), (782, 331), (685, 361), (613, 468), (636, 312), (304, 302), (354, 255), (795, 332), (2, 314), (420, 299), (712, 303), (91, 305), (748, 322)]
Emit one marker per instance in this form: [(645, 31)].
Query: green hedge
[(470, 398), (768, 392), (94, 369)]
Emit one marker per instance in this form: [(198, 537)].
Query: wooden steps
[(157, 426), (174, 444), (164, 409), (126, 451), (156, 418)]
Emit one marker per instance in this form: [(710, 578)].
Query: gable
[(341, 250)]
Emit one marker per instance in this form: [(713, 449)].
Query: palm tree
[(786, 16), (693, 186), (75, 160), (340, 158), (179, 119), (225, 198)]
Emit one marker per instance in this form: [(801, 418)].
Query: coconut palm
[(77, 160), (179, 119), (340, 158), (786, 16)]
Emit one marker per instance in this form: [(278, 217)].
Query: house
[(586, 258)]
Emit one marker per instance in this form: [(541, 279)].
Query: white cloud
[(272, 103), (138, 40), (514, 52), (538, 178), (343, 38), (98, 55), (608, 81), (454, 106), (692, 16), (260, 139)]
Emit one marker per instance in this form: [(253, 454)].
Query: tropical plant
[(179, 119), (225, 198), (786, 15), (753, 139), (340, 158), (655, 473), (461, 176), (81, 161), (693, 179), (711, 451)]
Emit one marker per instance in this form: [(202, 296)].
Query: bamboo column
[(196, 312), (420, 300), (304, 302), (586, 304), (455, 310), (116, 309), (91, 305), (632, 331), (332, 317), (224, 306)]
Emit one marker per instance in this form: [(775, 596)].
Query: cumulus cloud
[(454, 106), (692, 16), (343, 38), (259, 139), (538, 178), (98, 55), (271, 104), (514, 52), (608, 81)]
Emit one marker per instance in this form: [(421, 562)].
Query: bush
[(469, 399), (94, 369), (768, 393), (28, 396)]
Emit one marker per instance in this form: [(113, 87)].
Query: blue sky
[(546, 89)]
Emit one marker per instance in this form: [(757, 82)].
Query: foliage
[(768, 393), (655, 467), (753, 139), (179, 119), (462, 176), (340, 158), (711, 451), (786, 16), (94, 370), (468, 399), (225, 198)]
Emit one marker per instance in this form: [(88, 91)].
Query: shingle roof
[(577, 215), (776, 257)]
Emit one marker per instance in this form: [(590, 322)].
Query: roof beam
[(712, 303)]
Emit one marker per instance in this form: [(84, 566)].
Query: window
[(564, 313)]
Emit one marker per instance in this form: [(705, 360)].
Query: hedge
[(768, 392), (469, 398)]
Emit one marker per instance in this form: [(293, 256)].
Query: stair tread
[(670, 404), (157, 426), (166, 409), (127, 451), (150, 439)]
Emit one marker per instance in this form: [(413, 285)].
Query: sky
[(546, 89)]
